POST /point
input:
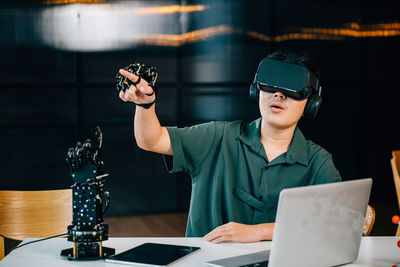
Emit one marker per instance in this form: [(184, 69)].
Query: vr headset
[(285, 72)]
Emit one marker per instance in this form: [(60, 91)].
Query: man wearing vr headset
[(239, 169)]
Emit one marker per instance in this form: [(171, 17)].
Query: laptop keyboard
[(258, 264)]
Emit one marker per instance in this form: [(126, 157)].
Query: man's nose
[(280, 95)]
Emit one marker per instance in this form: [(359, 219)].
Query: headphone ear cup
[(254, 93), (312, 106)]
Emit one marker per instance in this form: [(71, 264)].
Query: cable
[(34, 241)]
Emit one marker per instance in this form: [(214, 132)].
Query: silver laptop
[(318, 225)]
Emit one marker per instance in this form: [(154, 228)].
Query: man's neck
[(276, 140)]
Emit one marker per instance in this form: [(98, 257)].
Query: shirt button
[(260, 198)]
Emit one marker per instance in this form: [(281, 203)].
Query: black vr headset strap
[(254, 93), (313, 104)]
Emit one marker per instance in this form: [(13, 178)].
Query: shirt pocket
[(249, 199), (264, 211)]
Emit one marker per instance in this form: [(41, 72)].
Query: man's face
[(280, 111)]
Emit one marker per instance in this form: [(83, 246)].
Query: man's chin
[(279, 124)]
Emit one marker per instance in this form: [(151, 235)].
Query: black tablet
[(152, 254)]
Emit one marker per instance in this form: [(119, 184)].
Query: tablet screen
[(152, 254)]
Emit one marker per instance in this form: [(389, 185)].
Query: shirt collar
[(250, 135), (297, 152)]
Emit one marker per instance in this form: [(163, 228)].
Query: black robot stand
[(104, 252)]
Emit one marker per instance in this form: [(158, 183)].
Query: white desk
[(374, 251)]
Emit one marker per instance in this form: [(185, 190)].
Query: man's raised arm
[(148, 132)]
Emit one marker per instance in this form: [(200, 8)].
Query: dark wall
[(53, 93)]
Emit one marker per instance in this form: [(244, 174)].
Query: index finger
[(129, 75), (213, 234)]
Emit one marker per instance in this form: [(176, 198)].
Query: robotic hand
[(84, 161), (89, 201)]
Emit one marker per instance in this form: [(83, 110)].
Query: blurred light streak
[(122, 25), (292, 36), (155, 10), (181, 39), (102, 9), (171, 9), (352, 32), (62, 2), (379, 26), (349, 30)]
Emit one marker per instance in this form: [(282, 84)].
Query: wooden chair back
[(395, 162), (369, 221), (26, 214)]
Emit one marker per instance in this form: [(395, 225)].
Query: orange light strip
[(180, 39), (171, 9), (142, 11), (61, 2), (305, 34), (292, 36), (380, 26), (350, 30)]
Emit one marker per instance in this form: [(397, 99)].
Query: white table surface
[(374, 251)]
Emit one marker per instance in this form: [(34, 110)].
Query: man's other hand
[(142, 93), (243, 233)]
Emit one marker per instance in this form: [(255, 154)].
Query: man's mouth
[(277, 106)]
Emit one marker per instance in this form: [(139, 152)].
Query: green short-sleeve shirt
[(232, 179)]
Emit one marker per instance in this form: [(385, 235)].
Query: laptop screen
[(320, 225)]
